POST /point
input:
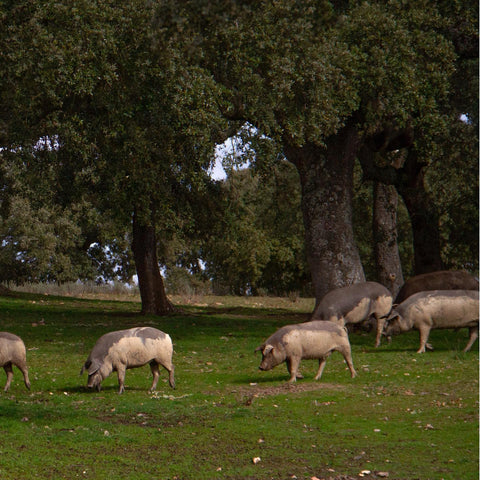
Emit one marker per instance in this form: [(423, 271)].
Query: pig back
[(354, 303), (440, 280), (313, 339), (442, 308), (134, 347)]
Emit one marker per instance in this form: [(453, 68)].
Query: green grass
[(411, 415)]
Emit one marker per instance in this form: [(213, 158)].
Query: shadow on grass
[(106, 389)]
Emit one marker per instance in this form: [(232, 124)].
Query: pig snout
[(264, 367), (266, 364), (94, 382)]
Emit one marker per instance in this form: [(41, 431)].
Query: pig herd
[(437, 300)]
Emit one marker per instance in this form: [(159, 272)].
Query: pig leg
[(9, 371), (380, 327), (298, 374), (424, 333), (473, 336), (121, 378), (155, 373), (171, 376), (168, 366), (321, 365), (292, 365), (24, 370), (347, 355)]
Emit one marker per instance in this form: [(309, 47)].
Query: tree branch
[(387, 175), (387, 140)]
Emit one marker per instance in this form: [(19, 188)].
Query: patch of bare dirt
[(253, 391)]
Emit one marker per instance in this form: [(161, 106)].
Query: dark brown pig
[(355, 304), (425, 311), (13, 352), (441, 280), (124, 349), (310, 340)]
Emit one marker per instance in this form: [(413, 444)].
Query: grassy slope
[(413, 416)]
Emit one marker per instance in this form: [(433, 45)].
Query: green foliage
[(133, 124), (180, 281), (40, 244), (282, 67), (130, 99), (405, 414), (299, 72), (453, 181), (403, 60), (42, 233), (258, 245)]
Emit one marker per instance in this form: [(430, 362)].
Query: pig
[(424, 311), (13, 352), (310, 340), (132, 348), (441, 280), (355, 304)]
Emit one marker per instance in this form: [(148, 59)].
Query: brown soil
[(250, 392)]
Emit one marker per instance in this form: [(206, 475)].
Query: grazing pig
[(310, 340), (13, 352), (124, 349), (424, 311), (355, 304), (441, 280)]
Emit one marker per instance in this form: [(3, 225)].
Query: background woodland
[(358, 123)]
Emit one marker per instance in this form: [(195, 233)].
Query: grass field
[(405, 416)]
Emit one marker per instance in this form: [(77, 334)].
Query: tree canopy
[(109, 117), (134, 124), (336, 81), (257, 246)]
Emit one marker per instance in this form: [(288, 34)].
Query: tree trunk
[(326, 176), (150, 282), (423, 216), (409, 181), (387, 257)]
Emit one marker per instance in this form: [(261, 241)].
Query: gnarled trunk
[(387, 257), (150, 282), (326, 176)]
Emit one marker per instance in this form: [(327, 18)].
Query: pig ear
[(93, 367), (259, 349), (85, 366), (393, 315), (267, 349)]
